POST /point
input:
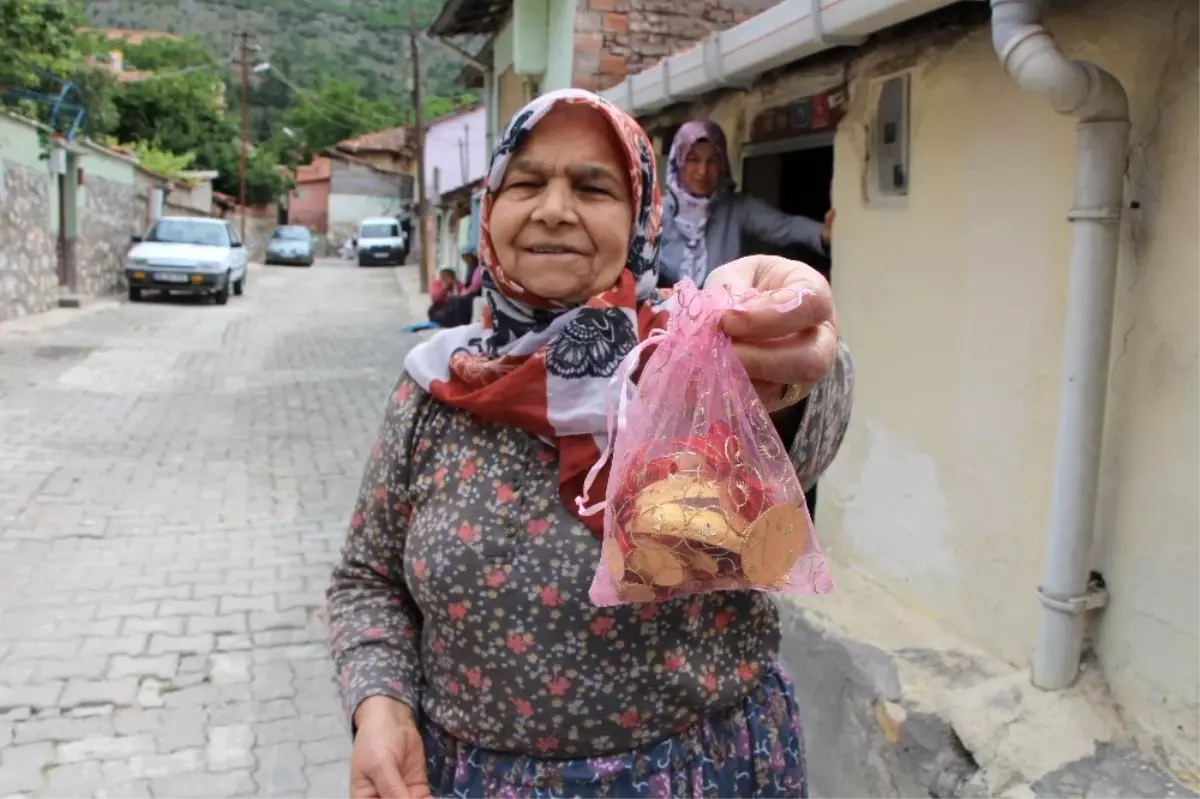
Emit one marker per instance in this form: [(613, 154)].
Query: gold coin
[(614, 559), (773, 543), (703, 562), (635, 592), (656, 564)]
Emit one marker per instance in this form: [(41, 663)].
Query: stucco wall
[(953, 300)]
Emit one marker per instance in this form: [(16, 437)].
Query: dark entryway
[(795, 176)]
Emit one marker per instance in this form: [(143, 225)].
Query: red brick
[(612, 65), (616, 23), (602, 5)]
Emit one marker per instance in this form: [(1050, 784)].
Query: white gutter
[(787, 32), (1098, 101)]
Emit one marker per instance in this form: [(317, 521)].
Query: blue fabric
[(471, 247), (755, 749)]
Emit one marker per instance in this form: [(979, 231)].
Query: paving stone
[(280, 770), (329, 750), (230, 667), (20, 779), (205, 786), (329, 780), (161, 666), (149, 767), (61, 729), (114, 747), (37, 755), (117, 692), (245, 519), (232, 623), (230, 747), (132, 644), (191, 607), (168, 626), (248, 604), (43, 695), (181, 644)]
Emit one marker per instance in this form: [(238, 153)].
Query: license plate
[(170, 277)]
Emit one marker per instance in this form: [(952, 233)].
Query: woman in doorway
[(704, 216), (471, 661)]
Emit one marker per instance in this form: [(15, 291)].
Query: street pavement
[(175, 479)]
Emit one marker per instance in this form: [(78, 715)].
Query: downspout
[(1097, 100)]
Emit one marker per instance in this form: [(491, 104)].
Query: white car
[(189, 255), (381, 240)]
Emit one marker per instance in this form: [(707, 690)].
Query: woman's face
[(702, 168), (561, 222)]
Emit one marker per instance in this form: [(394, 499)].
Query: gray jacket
[(731, 216)]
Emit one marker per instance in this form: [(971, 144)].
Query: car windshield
[(184, 231), (291, 233), (380, 230)]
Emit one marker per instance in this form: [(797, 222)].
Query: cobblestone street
[(174, 482)]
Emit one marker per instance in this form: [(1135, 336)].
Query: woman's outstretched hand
[(389, 759), (779, 350)]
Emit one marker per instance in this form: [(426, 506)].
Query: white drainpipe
[(1097, 100)]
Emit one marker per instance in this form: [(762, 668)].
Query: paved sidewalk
[(174, 482)]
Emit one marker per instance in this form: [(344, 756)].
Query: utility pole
[(245, 58), (419, 142)]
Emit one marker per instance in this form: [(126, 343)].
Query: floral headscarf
[(540, 365), (692, 212)]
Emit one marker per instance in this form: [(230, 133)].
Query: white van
[(381, 240)]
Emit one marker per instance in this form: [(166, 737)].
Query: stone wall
[(112, 212), (615, 38), (28, 254)]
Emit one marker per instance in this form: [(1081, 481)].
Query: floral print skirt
[(755, 749)]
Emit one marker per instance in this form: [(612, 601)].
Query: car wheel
[(239, 286), (135, 294), (222, 296), (361, 261)]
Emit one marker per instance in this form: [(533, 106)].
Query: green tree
[(38, 36), (181, 114), (163, 54), (45, 52)]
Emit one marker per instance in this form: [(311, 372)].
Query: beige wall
[(953, 302)]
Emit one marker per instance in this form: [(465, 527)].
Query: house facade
[(957, 222), (308, 204), (537, 46), (455, 160)]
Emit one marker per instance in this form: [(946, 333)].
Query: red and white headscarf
[(539, 365)]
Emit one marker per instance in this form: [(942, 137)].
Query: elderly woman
[(705, 216), (471, 661)]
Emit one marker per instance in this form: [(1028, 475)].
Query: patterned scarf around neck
[(538, 365), (692, 212)]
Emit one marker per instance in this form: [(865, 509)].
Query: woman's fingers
[(763, 319), (780, 283), (800, 359)]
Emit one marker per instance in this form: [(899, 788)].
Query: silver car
[(291, 244)]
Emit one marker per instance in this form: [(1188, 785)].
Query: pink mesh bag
[(701, 495)]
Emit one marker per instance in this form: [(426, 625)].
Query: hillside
[(363, 39)]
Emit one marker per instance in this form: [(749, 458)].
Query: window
[(380, 230), (890, 149), (188, 231), (233, 236)]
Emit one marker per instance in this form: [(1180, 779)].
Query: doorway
[(795, 176)]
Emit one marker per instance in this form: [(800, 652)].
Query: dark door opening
[(796, 181)]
